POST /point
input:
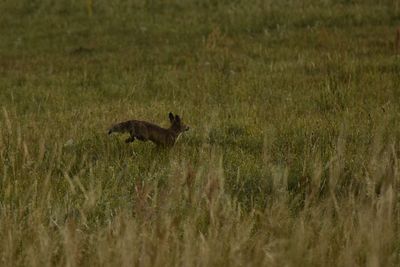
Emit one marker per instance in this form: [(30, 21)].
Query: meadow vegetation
[(292, 158)]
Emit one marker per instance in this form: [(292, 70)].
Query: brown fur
[(144, 131)]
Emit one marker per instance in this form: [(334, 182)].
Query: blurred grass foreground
[(292, 158)]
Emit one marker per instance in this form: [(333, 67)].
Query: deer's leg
[(142, 133), (130, 139), (141, 138)]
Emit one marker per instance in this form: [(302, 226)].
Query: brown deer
[(144, 131)]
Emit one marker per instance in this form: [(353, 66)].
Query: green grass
[(292, 156)]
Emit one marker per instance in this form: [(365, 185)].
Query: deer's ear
[(171, 116), (177, 118)]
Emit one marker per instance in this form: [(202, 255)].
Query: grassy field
[(291, 160)]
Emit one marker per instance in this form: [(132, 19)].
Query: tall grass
[(292, 156)]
